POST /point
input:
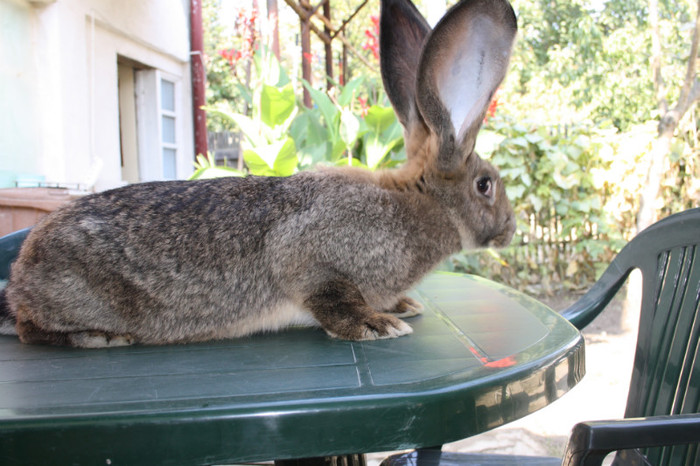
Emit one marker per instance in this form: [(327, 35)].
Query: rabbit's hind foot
[(99, 340), (29, 333), (343, 313)]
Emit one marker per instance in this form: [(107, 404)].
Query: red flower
[(492, 107), (246, 26), (372, 37), (231, 56), (364, 107)]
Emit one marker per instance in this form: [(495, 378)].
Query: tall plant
[(268, 150), (345, 130)]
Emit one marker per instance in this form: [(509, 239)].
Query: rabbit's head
[(441, 83)]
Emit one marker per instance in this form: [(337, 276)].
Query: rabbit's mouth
[(503, 238), (500, 241)]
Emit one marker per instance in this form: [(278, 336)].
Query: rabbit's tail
[(7, 319)]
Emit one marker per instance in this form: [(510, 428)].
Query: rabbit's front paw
[(406, 307), (380, 326), (343, 313), (374, 326)]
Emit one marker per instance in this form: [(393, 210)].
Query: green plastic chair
[(662, 424)]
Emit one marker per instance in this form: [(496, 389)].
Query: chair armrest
[(587, 308), (591, 442), (9, 249)]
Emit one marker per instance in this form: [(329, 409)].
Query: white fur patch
[(272, 320), (8, 328), (98, 340), (402, 329)]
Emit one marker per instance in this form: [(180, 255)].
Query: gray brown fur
[(184, 261)]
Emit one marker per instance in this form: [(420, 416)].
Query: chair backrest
[(666, 373)]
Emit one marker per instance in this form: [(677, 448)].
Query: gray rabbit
[(186, 261)]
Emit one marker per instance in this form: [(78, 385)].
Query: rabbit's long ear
[(402, 32), (463, 63)]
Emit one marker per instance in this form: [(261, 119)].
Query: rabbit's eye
[(484, 186)]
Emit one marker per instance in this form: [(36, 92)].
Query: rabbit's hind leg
[(29, 333), (343, 313)]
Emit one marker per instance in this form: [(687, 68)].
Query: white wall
[(18, 101), (61, 86)]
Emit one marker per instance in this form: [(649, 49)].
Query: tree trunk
[(328, 47), (199, 76), (306, 54), (648, 200), (671, 117), (273, 21)]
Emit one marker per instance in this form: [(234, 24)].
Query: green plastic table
[(481, 355)]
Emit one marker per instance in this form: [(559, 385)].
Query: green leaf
[(310, 155), (328, 109), (533, 138), (349, 127), (277, 159), (536, 202), (349, 91), (214, 172), (582, 206), (256, 164), (268, 67), (354, 161), (376, 150), (307, 130), (564, 182), (337, 149), (276, 105), (379, 118), (515, 192), (393, 132), (245, 93), (204, 162), (487, 142), (520, 141), (286, 159), (562, 209), (252, 129)]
